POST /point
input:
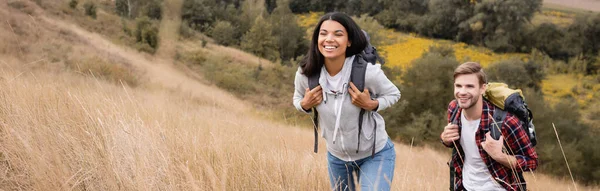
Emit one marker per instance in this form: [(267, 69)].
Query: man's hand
[(493, 147), (312, 97), (450, 134), (362, 99)]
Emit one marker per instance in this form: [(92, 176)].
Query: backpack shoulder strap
[(496, 125), (357, 77), (453, 120), (359, 70), (313, 81), (316, 127)]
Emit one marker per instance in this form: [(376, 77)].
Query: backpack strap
[(453, 120), (357, 77), (316, 126), (313, 81), (495, 128)]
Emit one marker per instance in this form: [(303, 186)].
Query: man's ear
[(483, 88)]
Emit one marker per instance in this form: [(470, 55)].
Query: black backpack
[(357, 76), (510, 101)]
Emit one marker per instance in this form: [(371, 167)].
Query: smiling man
[(478, 161)]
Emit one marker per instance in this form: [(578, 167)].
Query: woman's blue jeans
[(373, 173)]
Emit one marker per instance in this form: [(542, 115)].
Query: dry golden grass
[(63, 131)]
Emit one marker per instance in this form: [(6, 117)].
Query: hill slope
[(65, 124)]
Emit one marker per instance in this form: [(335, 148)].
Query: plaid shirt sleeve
[(519, 144)]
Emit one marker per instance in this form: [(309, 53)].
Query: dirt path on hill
[(592, 5), (157, 70), (169, 28)]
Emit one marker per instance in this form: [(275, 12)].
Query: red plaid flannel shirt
[(516, 142)]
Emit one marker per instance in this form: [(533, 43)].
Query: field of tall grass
[(65, 132)]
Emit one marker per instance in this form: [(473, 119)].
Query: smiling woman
[(350, 115)]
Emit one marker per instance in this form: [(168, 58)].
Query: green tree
[(428, 90), (587, 29), (122, 8), (501, 23), (516, 73), (153, 9), (300, 6), (224, 33), (289, 36), (443, 18), (270, 5), (550, 39), (371, 26), (198, 13), (425, 97), (231, 14), (259, 40), (134, 8), (402, 14), (250, 10)]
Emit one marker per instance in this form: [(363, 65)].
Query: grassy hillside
[(82, 109)]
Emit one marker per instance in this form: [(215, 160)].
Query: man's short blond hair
[(471, 68)]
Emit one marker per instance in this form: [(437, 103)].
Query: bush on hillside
[(185, 31), (146, 33), (260, 41), (90, 9), (73, 4), (154, 9), (516, 73), (224, 33), (371, 26), (425, 97), (289, 35), (198, 14), (122, 8)]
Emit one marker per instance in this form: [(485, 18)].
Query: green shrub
[(224, 33), (185, 30), (73, 4), (90, 9), (154, 10), (122, 8), (146, 33)]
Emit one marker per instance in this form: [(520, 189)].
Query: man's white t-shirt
[(476, 176)]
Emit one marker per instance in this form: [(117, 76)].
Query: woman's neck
[(334, 65)]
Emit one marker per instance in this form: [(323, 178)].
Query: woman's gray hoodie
[(341, 131)]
